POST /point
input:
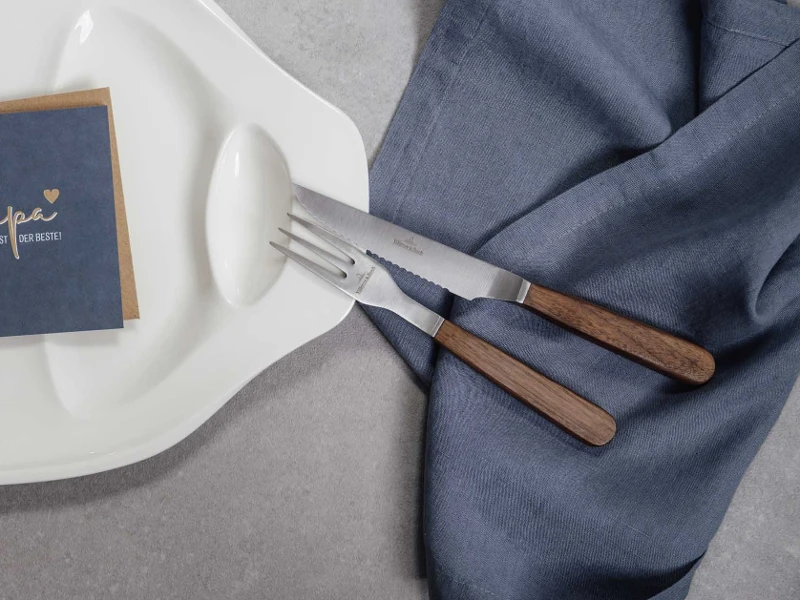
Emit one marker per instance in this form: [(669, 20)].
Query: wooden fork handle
[(646, 345), (577, 416)]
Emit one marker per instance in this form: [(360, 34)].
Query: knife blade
[(470, 278), (461, 274)]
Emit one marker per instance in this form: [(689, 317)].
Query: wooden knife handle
[(577, 416), (646, 345)]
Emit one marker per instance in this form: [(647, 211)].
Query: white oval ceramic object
[(250, 195)]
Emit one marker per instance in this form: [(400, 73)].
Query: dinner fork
[(368, 282)]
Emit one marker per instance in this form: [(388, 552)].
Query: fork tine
[(324, 254), (310, 265), (334, 240)]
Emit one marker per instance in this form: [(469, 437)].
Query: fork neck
[(418, 315)]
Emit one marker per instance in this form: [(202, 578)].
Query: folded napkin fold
[(641, 155)]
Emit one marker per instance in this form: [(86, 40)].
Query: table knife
[(470, 278)]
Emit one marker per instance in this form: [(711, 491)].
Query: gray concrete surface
[(307, 484)]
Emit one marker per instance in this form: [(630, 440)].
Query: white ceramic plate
[(211, 133)]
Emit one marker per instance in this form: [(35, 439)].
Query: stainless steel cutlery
[(351, 233), (368, 282)]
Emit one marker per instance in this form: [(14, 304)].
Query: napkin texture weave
[(642, 155)]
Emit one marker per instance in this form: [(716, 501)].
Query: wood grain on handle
[(577, 416), (646, 345)]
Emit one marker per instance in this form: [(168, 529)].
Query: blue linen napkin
[(642, 155)]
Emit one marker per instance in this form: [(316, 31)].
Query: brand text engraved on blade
[(410, 244), (364, 279)]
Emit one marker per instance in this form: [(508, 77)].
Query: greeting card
[(80, 99), (59, 260)]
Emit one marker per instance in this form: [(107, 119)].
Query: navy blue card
[(59, 265)]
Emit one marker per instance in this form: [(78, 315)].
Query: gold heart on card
[(51, 195)]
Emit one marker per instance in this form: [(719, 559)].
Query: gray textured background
[(307, 484)]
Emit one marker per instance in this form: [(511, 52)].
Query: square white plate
[(211, 133)]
